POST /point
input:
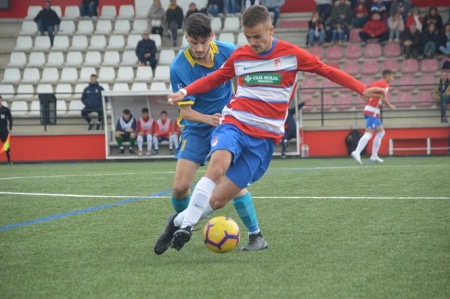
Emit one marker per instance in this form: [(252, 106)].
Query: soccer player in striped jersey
[(145, 126), (253, 122), (200, 114), (373, 121)]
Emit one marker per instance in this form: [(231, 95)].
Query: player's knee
[(133, 135), (215, 172), (180, 190), (217, 203), (368, 134)]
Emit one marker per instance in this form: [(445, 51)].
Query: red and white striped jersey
[(374, 104), (266, 84), (163, 128)]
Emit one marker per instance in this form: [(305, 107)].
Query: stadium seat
[(392, 50), (44, 88), (111, 58), (139, 26), (66, 27), (144, 73), (28, 28), (216, 24), (74, 58), (403, 100), (85, 27), (139, 86), (107, 74), (409, 66), (368, 80), (308, 86), (55, 59), (85, 74), (35, 109), (162, 73), (125, 74), (7, 91), (120, 87), (390, 65), (429, 65), (121, 27), (354, 35), (79, 42), (63, 91), (57, 9), (17, 59), (424, 99), (231, 24), (11, 75), (69, 75), (19, 108), (372, 51), (79, 88), (317, 50), (344, 101), (334, 52), (327, 102), (50, 75), (166, 57), (25, 92), (405, 83), (31, 75), (98, 42), (61, 43), (61, 108), (158, 86), (426, 83), (227, 37), (351, 67), (369, 67), (72, 12), (103, 27), (353, 51), (329, 86), (93, 58), (23, 43), (116, 42), (129, 58), (32, 12), (75, 107), (36, 59), (126, 12), (184, 43), (108, 12), (132, 41), (241, 40)]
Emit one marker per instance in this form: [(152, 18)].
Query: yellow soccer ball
[(221, 234)]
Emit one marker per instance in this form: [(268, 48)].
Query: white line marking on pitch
[(74, 175), (75, 195)]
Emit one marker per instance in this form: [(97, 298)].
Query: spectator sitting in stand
[(396, 27), (88, 9), (126, 131), (46, 20), (433, 16), (323, 7), (146, 51), (412, 42), (402, 7), (379, 7), (374, 29), (445, 40), (174, 17), (274, 6), (415, 18), (156, 18), (430, 41), (192, 10), (92, 100), (316, 30), (215, 7), (338, 35), (342, 14), (360, 15)]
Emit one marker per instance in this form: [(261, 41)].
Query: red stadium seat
[(372, 51), (335, 52), (327, 102), (403, 100), (424, 99), (329, 86), (429, 65), (392, 50), (368, 80), (369, 67), (409, 66), (426, 83), (311, 104), (353, 52), (310, 75), (351, 67), (308, 86), (360, 103), (406, 83), (317, 50), (390, 65), (344, 101), (354, 36)]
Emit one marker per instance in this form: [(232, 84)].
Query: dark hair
[(126, 111), (387, 72), (198, 25), (163, 112), (1, 97), (254, 15), (144, 110)]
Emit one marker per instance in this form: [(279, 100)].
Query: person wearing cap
[(92, 100), (146, 51)]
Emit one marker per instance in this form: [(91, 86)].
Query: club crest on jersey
[(214, 142), (277, 64)]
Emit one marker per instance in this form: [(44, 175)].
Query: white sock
[(178, 221), (363, 142), (175, 140), (199, 201), (377, 143), (149, 142), (140, 141), (155, 143)]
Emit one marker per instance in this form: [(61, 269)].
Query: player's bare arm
[(387, 102), (374, 92), (191, 115)]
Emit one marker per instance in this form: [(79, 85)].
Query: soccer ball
[(221, 234)]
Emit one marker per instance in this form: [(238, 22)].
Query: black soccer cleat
[(132, 151), (90, 127), (98, 126), (165, 239), (256, 242), (122, 151), (181, 237)]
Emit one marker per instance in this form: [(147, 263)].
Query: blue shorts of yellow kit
[(251, 156), (195, 144), (372, 122)]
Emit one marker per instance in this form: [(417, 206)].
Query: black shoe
[(122, 151), (181, 237), (90, 127), (165, 239), (444, 120), (256, 242), (98, 126), (132, 151), (171, 151)]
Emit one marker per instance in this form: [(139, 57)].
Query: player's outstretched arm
[(385, 100)]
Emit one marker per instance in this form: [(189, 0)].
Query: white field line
[(255, 197), (75, 175)]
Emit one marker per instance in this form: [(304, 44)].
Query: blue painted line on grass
[(77, 212)]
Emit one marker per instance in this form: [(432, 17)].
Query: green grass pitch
[(335, 230)]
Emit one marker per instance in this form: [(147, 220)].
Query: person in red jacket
[(415, 18), (375, 28), (163, 131)]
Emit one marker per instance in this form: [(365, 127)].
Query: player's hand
[(307, 100), (173, 98), (214, 120), (374, 92)]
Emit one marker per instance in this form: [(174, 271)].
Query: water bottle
[(305, 151)]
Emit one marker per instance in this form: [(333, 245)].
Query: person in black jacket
[(88, 8), (174, 17), (6, 123), (92, 100), (46, 20), (146, 51), (430, 41), (411, 40), (290, 127)]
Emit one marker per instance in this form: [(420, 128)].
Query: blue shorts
[(251, 156), (161, 139), (372, 122), (195, 144)]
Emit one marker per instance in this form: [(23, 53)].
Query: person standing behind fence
[(92, 100), (46, 20), (6, 123)]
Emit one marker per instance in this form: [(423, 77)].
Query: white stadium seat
[(35, 109), (19, 108), (63, 91), (133, 40), (11, 75), (139, 86), (33, 10), (125, 74), (162, 73), (126, 12), (129, 58), (157, 39), (227, 37), (57, 9), (216, 24), (79, 88), (31, 75), (98, 42), (75, 107), (55, 59), (44, 88), (107, 74), (144, 73), (103, 27), (158, 86), (166, 57), (41, 43), (28, 28), (61, 107), (79, 42), (85, 73), (74, 58), (120, 87), (116, 42), (231, 24), (36, 59), (139, 26), (241, 40), (69, 75), (17, 59), (61, 43), (122, 27), (7, 91), (23, 43), (85, 27), (50, 75), (111, 58), (25, 92), (71, 12), (66, 27), (108, 12)]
